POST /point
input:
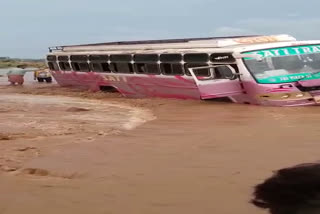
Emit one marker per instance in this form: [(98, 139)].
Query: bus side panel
[(130, 85)]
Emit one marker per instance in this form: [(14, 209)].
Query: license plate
[(316, 99)]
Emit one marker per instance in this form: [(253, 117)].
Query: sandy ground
[(68, 151)]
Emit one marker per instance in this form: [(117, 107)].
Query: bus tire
[(49, 80), (40, 79)]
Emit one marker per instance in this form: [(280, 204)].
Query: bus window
[(84, 67), (95, 67), (65, 66), (147, 68), (204, 72), (196, 57), (105, 67), (53, 66), (75, 66), (140, 68), (223, 72), (113, 68), (172, 69), (153, 68), (100, 67), (124, 68), (166, 58)]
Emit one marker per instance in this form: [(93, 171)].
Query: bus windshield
[(286, 64)]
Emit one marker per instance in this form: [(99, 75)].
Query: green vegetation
[(9, 63)]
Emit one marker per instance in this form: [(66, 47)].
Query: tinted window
[(53, 66), (75, 66), (79, 58), (63, 58), (98, 57), (51, 58), (223, 72), (65, 66), (172, 69), (170, 57), (196, 57), (153, 69), (121, 58), (84, 66), (105, 67), (146, 58), (113, 67), (141, 68), (100, 67), (198, 72), (96, 67), (147, 68), (124, 67)]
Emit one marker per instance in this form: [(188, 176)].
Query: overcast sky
[(30, 26)]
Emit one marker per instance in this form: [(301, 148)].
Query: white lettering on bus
[(296, 50), (276, 52), (268, 54), (316, 49), (306, 50), (286, 51)]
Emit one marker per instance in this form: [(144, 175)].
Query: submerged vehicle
[(274, 70), (43, 75)]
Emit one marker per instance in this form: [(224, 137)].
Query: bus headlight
[(299, 95), (285, 96)]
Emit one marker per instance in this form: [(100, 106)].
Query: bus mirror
[(233, 77)]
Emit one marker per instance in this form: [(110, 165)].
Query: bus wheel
[(40, 79), (49, 80)]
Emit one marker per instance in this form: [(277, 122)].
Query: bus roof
[(188, 43)]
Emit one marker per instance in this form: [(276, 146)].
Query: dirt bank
[(179, 157)]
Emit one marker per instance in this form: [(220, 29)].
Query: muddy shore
[(68, 151)]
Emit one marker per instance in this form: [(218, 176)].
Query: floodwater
[(68, 151)]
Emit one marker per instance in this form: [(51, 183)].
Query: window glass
[(124, 68), (170, 57), (140, 68), (96, 67), (105, 67), (121, 58), (53, 66), (63, 58), (146, 58), (196, 57), (65, 66), (172, 69), (75, 66), (51, 58), (84, 67), (199, 72), (79, 58), (98, 58), (113, 67), (223, 72), (153, 68)]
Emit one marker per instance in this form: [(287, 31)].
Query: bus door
[(220, 81)]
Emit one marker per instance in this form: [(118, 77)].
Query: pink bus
[(273, 70)]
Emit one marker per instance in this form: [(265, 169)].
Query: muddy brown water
[(182, 157)]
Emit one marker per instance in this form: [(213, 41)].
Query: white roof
[(201, 45)]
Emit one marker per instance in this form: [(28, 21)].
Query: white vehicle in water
[(262, 70)]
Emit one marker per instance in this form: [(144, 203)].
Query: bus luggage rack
[(55, 48)]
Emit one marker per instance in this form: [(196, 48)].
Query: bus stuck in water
[(272, 70)]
